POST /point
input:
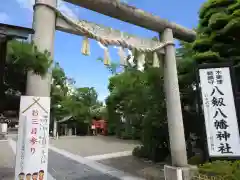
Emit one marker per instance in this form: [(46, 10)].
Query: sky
[(86, 70)]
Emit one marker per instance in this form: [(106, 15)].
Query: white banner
[(33, 138), (219, 112)]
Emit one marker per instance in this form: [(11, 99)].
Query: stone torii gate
[(47, 19)]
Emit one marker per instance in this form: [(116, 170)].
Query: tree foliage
[(218, 38), (136, 108), (68, 100), (138, 97), (21, 57)]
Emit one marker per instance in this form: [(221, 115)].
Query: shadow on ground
[(135, 166)]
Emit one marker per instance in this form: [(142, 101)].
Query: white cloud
[(4, 17), (28, 4)]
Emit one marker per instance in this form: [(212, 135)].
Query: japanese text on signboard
[(32, 149), (220, 118), (219, 112)]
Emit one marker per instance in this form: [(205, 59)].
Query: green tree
[(80, 105), (125, 89), (65, 98), (189, 95), (68, 100), (137, 98), (217, 41), (218, 37), (21, 58), (59, 93)]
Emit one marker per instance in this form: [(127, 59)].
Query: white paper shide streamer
[(155, 60), (141, 62), (122, 56), (131, 62)]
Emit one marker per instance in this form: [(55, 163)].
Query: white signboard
[(33, 137), (219, 112)]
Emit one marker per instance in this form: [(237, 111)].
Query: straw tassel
[(106, 59), (85, 47), (155, 60)]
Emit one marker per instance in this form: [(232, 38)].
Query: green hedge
[(227, 170)]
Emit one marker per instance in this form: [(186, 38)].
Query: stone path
[(62, 168), (111, 152), (64, 165), (93, 145), (7, 161), (136, 167), (92, 158)]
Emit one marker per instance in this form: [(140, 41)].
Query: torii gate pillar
[(44, 21), (173, 103)]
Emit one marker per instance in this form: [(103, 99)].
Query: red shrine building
[(101, 126)]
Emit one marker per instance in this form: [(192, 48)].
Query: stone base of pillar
[(179, 173)]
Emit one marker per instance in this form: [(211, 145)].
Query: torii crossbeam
[(133, 15)]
